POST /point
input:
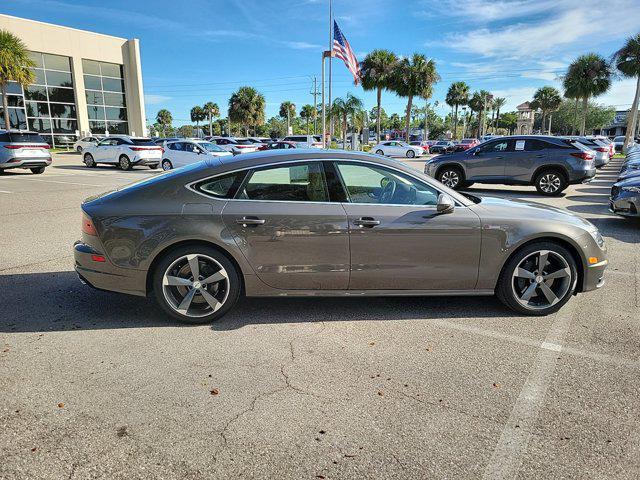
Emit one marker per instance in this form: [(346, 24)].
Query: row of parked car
[(625, 193)]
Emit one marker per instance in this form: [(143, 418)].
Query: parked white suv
[(19, 149), (309, 141), (124, 151)]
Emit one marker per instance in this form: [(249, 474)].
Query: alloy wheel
[(450, 178), (542, 279), (550, 183), (166, 165), (195, 285)]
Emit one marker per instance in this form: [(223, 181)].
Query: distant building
[(619, 125), (526, 119), (85, 83)]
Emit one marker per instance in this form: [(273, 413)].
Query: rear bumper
[(583, 176), (105, 275), (26, 162), (146, 161)]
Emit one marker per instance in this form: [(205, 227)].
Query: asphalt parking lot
[(101, 385)]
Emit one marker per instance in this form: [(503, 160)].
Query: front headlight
[(597, 237), (631, 189)]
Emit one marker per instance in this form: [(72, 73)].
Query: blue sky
[(196, 51)]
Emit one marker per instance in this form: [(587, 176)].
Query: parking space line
[(5, 191), (65, 183), (516, 434)]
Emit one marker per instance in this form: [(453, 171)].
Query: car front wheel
[(167, 165), (79, 149), (89, 161), (196, 284), (379, 152), (37, 170), (451, 177), (411, 154), (538, 280)]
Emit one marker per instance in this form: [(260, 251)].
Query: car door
[(487, 161), (293, 237), (190, 153), (104, 151), (399, 241), (527, 155)]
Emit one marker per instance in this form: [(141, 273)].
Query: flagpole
[(324, 113), (330, 62)]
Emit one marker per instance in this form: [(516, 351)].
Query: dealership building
[(85, 83)]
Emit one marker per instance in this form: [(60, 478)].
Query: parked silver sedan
[(331, 223)]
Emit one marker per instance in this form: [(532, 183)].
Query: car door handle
[(250, 221), (366, 222), (540, 156), (499, 158)]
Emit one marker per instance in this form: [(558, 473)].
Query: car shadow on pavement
[(498, 192), (57, 301)]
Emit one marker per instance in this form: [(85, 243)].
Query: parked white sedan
[(123, 151), (85, 142), (185, 152), (396, 148)]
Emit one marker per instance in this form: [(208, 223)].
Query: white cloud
[(620, 95), (487, 11), (301, 45), (152, 99)]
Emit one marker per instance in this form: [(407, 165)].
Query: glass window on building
[(51, 101), (15, 100), (105, 93)]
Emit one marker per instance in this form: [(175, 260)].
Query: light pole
[(464, 121)]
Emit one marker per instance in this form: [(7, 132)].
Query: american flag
[(342, 49)]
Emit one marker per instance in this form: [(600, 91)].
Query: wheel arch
[(159, 255), (560, 240), (561, 168), (451, 164)]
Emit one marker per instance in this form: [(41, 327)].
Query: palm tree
[(376, 72), (212, 111), (548, 100), (308, 113), (354, 107), (414, 76), (164, 118), (478, 103), (587, 76), (246, 107), (288, 111), (627, 61), (342, 109), (498, 103), (457, 95), (197, 114), (15, 65)]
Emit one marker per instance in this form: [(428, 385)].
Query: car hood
[(629, 182), (501, 208)]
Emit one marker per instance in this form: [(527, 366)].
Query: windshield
[(142, 141), (211, 147), (442, 143), (467, 140)]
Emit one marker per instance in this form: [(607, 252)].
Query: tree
[(377, 73), (186, 131), (498, 103), (457, 95), (565, 121), (627, 62), (587, 76), (308, 113), (212, 111), (288, 111), (246, 107), (197, 115), (414, 76), (477, 104), (164, 119), (508, 121), (15, 65), (373, 118), (548, 100), (345, 108)]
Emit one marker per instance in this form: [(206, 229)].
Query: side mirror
[(445, 203)]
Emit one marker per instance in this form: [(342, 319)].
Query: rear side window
[(223, 186), (25, 138), (301, 182), (534, 145)]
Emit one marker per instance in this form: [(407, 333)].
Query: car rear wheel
[(379, 152), (167, 165), (37, 170), (451, 177), (79, 149), (550, 182), (153, 166), (89, 161), (196, 284), (124, 163), (411, 154), (538, 280)]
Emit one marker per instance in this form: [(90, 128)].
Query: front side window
[(372, 184), (302, 182), (495, 147)]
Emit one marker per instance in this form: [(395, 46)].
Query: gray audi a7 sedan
[(327, 223)]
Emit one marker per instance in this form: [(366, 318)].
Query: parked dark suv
[(23, 150), (549, 163)]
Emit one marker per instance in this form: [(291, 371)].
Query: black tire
[(451, 176), (124, 163), (411, 154), (167, 165), (89, 161), (37, 170), (153, 166), (508, 284), (79, 149), (550, 182), (380, 152), (230, 291)]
